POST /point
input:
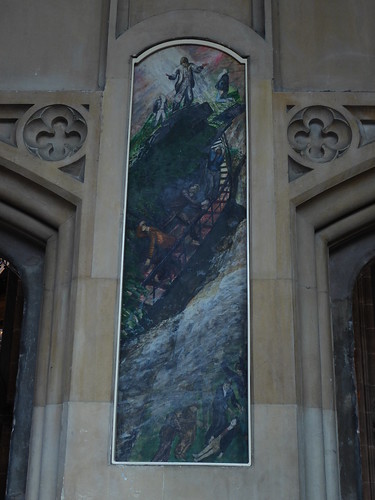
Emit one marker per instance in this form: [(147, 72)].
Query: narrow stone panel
[(324, 45), (131, 12)]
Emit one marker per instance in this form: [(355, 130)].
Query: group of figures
[(227, 410), (179, 185), (184, 85), (192, 200), (185, 209)]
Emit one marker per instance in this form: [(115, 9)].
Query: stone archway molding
[(37, 229), (351, 208)]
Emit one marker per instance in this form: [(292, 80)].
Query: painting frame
[(173, 419)]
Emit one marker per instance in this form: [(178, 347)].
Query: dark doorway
[(364, 361), (26, 254), (11, 307)]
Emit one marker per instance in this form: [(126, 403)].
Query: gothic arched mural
[(183, 352)]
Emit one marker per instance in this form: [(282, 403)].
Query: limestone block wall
[(129, 13), (306, 193), (274, 410), (323, 45), (53, 45)]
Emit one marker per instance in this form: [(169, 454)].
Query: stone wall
[(311, 159)]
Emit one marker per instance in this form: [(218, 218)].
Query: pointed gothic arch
[(323, 318), (36, 235)]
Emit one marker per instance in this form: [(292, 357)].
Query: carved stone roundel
[(319, 134), (55, 132)]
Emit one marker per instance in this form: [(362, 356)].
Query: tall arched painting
[(182, 387)]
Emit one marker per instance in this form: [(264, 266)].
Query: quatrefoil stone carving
[(319, 134), (55, 132)]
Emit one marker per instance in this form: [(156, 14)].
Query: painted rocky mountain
[(184, 359)]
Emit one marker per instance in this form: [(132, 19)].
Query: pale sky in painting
[(150, 78)]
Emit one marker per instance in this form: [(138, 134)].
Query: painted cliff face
[(182, 381)]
